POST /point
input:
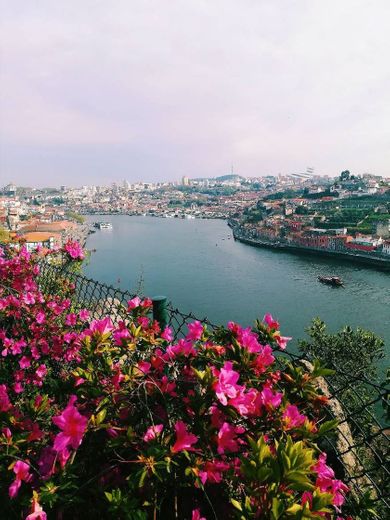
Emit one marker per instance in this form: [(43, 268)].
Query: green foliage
[(75, 216), (4, 235), (354, 351)]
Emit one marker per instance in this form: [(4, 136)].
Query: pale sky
[(98, 91)]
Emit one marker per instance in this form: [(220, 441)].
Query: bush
[(104, 421)]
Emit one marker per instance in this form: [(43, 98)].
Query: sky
[(93, 91)]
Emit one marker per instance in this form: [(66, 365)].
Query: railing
[(360, 449)]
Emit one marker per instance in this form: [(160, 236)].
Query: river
[(198, 265)]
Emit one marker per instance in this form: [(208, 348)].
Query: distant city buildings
[(351, 211)]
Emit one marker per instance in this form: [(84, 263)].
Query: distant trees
[(4, 235), (345, 175)]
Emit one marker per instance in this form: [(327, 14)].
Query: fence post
[(160, 310)]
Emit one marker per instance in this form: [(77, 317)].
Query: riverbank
[(383, 263)]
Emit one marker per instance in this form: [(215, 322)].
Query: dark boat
[(331, 280)]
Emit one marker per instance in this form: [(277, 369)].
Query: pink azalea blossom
[(18, 388), (99, 327), (5, 403), (282, 340), (249, 340), (196, 515), (22, 472), (24, 362), (270, 399), (40, 317), (143, 321), (120, 335), (73, 426), (183, 348), (264, 359), (195, 331), (212, 472), (28, 298), (37, 513), (144, 366), (152, 432), (74, 250), (146, 303), (134, 303), (245, 403), (227, 437), (226, 385), (71, 319), (292, 418), (269, 320), (167, 334), (84, 315), (184, 440), (327, 483), (41, 371)]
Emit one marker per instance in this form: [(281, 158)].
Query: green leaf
[(236, 504)]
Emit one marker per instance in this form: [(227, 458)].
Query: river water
[(200, 268)]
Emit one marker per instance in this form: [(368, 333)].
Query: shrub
[(104, 421)]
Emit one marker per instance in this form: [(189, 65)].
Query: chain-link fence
[(360, 447)]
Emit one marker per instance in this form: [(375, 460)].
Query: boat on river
[(331, 280), (103, 225)]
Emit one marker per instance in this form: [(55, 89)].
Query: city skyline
[(156, 92)]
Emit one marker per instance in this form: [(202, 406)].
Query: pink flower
[(212, 471), (264, 359), (327, 483), (322, 469), (22, 472), (248, 340), (28, 298), (245, 403), (144, 366), (282, 340), (167, 334), (37, 513), (226, 385), (272, 324), (24, 362), (120, 335), (292, 418), (5, 403), (84, 315), (73, 426), (143, 321), (74, 250), (99, 327), (18, 388), (196, 515), (183, 348), (40, 317), (270, 399), (184, 440), (41, 371), (227, 437), (134, 303), (195, 331), (71, 319), (152, 432), (146, 303)]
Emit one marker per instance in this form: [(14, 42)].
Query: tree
[(345, 175), (4, 235), (354, 351)]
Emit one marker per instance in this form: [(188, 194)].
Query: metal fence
[(360, 448)]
